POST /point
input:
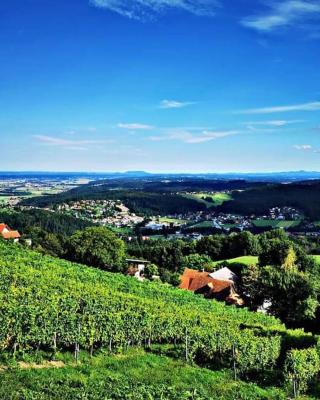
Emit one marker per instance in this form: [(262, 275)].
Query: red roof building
[(203, 283), (7, 233)]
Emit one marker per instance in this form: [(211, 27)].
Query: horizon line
[(159, 172)]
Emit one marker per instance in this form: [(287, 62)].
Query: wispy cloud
[(174, 104), (135, 126), (307, 148), (274, 123), (193, 138), (146, 9), (315, 106), (70, 144), (284, 13), (303, 147)]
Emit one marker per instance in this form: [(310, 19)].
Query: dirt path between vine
[(25, 365)]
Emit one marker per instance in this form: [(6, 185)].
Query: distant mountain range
[(289, 176)]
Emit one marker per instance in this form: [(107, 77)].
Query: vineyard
[(50, 304)]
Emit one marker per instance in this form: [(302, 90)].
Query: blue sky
[(160, 85)]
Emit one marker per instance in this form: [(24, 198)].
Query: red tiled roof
[(10, 234), (3, 227), (194, 280)]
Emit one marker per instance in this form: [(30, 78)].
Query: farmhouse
[(136, 267), (203, 283), (8, 234)]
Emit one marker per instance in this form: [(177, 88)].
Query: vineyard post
[(294, 388), (54, 343), (149, 340), (186, 346), (294, 382), (234, 361), (77, 345)]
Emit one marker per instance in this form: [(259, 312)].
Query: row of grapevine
[(52, 304)]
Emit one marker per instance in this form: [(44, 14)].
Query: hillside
[(303, 196), (50, 304), (154, 195)]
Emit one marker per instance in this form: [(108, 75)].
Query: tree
[(198, 262), (277, 252), (292, 294), (241, 244), (150, 271), (250, 286), (210, 246), (98, 247)]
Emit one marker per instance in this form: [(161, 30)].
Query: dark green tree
[(98, 247), (198, 262), (210, 246)]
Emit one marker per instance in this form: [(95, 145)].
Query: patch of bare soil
[(47, 364)]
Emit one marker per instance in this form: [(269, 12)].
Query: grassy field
[(251, 260), (134, 375), (203, 224), (247, 260), (264, 223), (176, 221), (217, 198)]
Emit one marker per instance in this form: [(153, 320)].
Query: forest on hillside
[(303, 196), (155, 197)]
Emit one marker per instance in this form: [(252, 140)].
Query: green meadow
[(251, 260), (217, 198), (265, 223), (132, 375)]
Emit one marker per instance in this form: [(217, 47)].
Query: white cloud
[(135, 126), (146, 9), (174, 104), (283, 14), (192, 138), (274, 123), (303, 147), (70, 144), (315, 106), (307, 148)]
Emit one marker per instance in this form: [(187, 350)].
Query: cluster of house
[(224, 222), (9, 234), (283, 213), (105, 212)]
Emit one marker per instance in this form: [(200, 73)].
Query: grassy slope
[(218, 198), (247, 260), (262, 223), (172, 220), (134, 375), (250, 260)]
